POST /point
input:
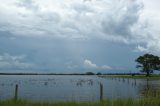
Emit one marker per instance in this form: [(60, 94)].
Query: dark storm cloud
[(77, 36), (122, 19)]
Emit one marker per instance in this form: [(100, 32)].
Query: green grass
[(119, 102), (151, 77)]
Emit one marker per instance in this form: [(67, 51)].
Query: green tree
[(148, 63)]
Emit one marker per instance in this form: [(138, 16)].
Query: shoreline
[(154, 77)]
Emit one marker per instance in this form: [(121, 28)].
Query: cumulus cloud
[(8, 61), (122, 18), (89, 64), (127, 21), (71, 19)]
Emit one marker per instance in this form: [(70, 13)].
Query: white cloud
[(8, 61), (141, 49), (91, 65)]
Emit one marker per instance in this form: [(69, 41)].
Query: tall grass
[(119, 102)]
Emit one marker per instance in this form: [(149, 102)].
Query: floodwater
[(73, 87)]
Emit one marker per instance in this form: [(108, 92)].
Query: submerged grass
[(150, 101), (151, 77)]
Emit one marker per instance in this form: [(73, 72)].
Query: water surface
[(70, 87)]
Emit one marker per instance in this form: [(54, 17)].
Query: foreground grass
[(119, 102), (151, 77), (150, 99)]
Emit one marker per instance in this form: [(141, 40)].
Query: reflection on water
[(78, 88), (149, 88), (43, 87)]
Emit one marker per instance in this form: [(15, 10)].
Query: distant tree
[(99, 73), (148, 63), (90, 73)]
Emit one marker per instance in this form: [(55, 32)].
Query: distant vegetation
[(99, 73), (148, 63), (138, 76), (87, 73), (90, 73)]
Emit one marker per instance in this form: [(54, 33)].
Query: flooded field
[(70, 87)]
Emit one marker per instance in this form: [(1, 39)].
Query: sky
[(77, 36)]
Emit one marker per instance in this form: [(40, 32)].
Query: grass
[(119, 102), (151, 77)]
